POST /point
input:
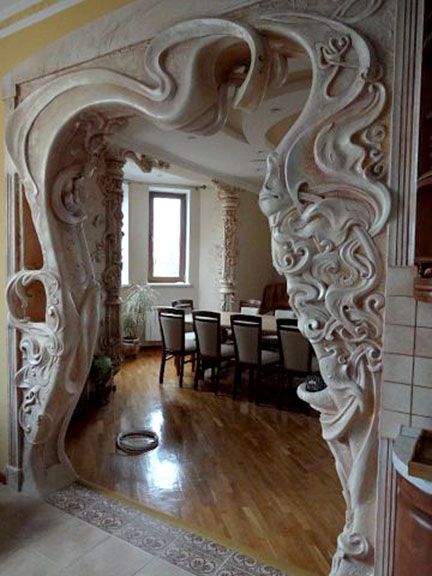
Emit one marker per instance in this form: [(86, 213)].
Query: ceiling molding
[(28, 12), (11, 8)]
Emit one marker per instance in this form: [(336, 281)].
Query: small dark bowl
[(314, 383)]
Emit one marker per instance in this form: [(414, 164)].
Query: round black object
[(314, 383), (137, 441)]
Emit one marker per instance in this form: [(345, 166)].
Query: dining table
[(269, 324)]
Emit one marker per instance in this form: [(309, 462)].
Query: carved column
[(110, 331), (108, 248), (229, 200)]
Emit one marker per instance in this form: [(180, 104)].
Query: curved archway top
[(181, 93), (324, 195)]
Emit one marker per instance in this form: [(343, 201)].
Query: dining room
[(199, 355), (240, 457)]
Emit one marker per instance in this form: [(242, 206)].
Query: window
[(167, 237)]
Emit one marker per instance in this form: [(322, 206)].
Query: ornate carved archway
[(323, 194)]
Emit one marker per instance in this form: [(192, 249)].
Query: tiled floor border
[(168, 538)]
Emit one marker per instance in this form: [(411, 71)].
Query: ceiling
[(175, 176), (236, 154)]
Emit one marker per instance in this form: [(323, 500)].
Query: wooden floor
[(256, 477)]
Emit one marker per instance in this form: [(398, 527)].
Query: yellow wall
[(13, 50)]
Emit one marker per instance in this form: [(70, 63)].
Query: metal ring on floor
[(150, 441)]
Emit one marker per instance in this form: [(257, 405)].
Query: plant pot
[(130, 347), (100, 380)]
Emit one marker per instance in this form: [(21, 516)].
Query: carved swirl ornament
[(40, 346), (323, 194)]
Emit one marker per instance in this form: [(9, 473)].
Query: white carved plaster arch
[(323, 195)]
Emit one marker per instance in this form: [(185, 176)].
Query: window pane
[(166, 237)]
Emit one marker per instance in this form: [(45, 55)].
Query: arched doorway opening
[(323, 195)]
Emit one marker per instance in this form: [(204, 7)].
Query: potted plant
[(137, 301), (101, 375)]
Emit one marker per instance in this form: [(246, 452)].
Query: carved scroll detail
[(352, 11), (324, 196), (41, 347), (324, 222)]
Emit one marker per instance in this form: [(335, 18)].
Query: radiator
[(152, 330)]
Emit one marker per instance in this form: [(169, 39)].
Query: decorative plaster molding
[(327, 206), (405, 131), (145, 162), (352, 11), (324, 195)]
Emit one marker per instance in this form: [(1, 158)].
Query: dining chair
[(176, 343), (250, 306), (185, 304), (210, 349), (271, 341), (247, 333), (296, 355), (285, 313)]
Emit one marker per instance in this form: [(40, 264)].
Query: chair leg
[(237, 381), (251, 384), (258, 387), (213, 377), (281, 389), (181, 359), (177, 363), (292, 393), (162, 369), (197, 373), (217, 380)]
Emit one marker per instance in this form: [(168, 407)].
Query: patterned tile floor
[(191, 553)]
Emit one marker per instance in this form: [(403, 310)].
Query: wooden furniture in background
[(413, 546), (274, 296), (413, 530)]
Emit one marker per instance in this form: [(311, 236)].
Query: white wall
[(210, 250), (255, 268)]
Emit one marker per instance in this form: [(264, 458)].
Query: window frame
[(182, 196)]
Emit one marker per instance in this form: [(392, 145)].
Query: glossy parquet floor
[(258, 478)]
